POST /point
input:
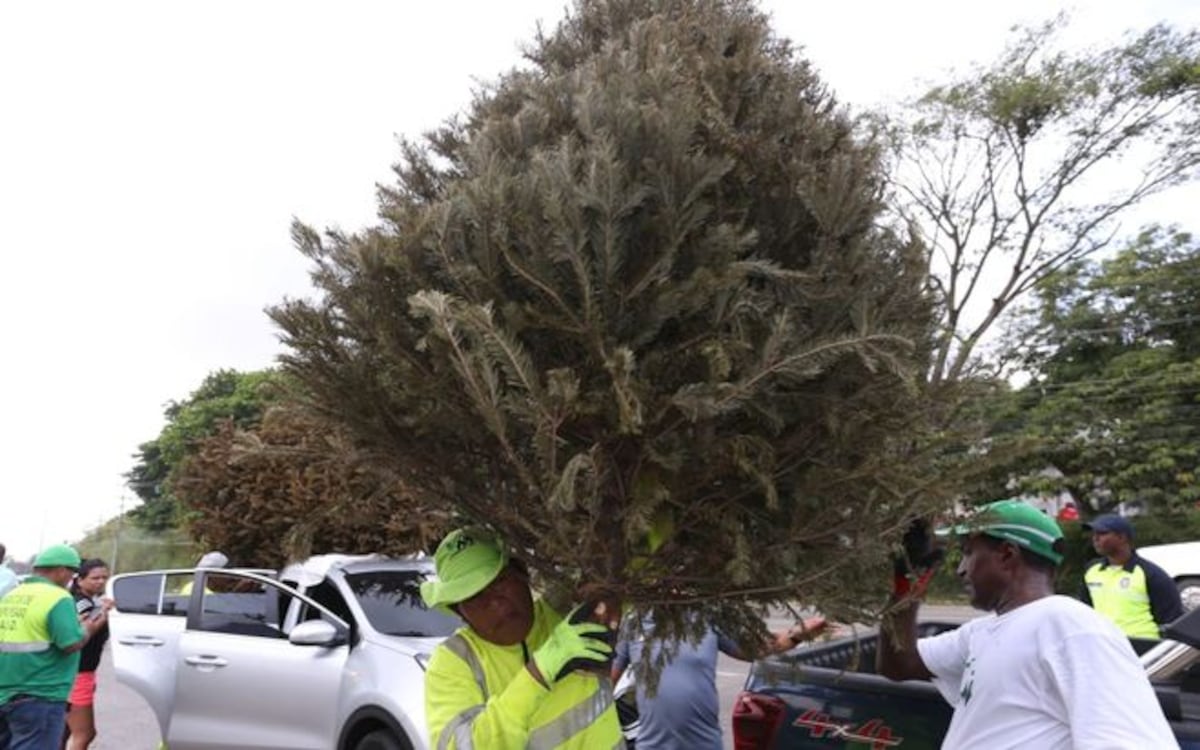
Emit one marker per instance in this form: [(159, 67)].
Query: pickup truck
[(327, 654), (828, 696)]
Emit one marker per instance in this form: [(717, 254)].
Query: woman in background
[(88, 590)]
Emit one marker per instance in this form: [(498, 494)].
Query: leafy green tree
[(635, 310), (224, 394), (1115, 399), (1015, 171)]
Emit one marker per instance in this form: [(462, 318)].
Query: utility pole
[(42, 534), (117, 536)]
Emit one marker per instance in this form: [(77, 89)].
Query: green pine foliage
[(634, 309)]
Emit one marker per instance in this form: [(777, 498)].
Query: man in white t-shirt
[(1044, 671)]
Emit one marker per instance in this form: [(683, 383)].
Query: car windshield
[(392, 602)]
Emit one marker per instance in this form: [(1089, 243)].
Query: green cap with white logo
[(467, 561), (1018, 522)]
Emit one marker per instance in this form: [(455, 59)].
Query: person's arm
[(1166, 605), (90, 628), (621, 657), (788, 638), (777, 642), (897, 657), (67, 633), (805, 630), (454, 701), (454, 705)]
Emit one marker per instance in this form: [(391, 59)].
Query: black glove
[(921, 557)]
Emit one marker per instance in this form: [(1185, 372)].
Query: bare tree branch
[(1015, 150)]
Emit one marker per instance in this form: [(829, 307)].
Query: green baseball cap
[(58, 556), (1015, 521), (467, 560)]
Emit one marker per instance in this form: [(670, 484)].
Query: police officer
[(40, 640), (1131, 591)]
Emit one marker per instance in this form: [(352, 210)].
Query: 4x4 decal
[(874, 733)]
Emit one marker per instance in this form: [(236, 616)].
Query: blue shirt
[(685, 712)]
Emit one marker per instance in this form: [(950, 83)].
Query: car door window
[(240, 605), (326, 594), (152, 594)]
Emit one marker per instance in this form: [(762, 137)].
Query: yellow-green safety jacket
[(480, 696), (38, 621), (1138, 596)]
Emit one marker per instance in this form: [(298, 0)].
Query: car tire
[(380, 739), (1189, 592)]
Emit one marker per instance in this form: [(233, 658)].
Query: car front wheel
[(1189, 592), (380, 739)]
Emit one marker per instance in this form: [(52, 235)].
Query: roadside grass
[(135, 548)]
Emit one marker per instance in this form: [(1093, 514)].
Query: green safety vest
[(30, 660), (1123, 597), (480, 696), (24, 617)]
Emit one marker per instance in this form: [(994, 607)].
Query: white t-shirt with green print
[(1049, 675)]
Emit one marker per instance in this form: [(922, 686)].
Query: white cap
[(213, 559)]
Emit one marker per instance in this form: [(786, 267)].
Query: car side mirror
[(316, 633)]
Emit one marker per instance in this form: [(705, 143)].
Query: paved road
[(126, 722)]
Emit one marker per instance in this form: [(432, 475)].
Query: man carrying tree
[(518, 675), (1043, 671), (1133, 592)]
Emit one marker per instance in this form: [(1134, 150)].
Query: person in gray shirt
[(684, 711)]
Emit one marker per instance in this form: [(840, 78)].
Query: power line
[(1155, 378), (1139, 328)]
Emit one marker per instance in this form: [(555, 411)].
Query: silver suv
[(328, 653)]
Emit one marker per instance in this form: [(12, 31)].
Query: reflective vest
[(1123, 597), (480, 696), (38, 620), (24, 613)]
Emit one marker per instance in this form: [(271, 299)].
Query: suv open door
[(229, 658), (145, 625)]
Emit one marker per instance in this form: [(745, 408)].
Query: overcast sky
[(153, 154)]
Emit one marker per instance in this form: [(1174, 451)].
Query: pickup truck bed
[(828, 696)]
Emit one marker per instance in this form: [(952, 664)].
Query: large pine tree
[(635, 310)]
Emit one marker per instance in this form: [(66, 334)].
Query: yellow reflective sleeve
[(458, 717)]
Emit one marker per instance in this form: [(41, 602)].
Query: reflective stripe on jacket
[(480, 696), (1122, 596)]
